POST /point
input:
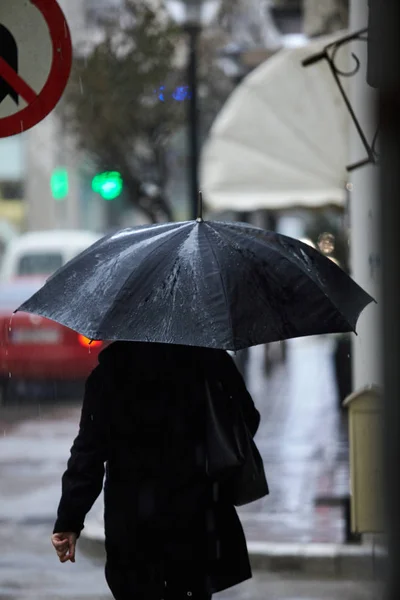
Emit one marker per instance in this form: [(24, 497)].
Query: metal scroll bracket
[(329, 54)]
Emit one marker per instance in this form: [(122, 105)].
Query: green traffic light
[(109, 184), (59, 184)]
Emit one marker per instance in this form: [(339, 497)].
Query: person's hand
[(64, 544)]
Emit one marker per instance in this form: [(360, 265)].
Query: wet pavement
[(29, 570), (305, 454), (303, 441)]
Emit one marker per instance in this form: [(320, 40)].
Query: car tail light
[(87, 342)]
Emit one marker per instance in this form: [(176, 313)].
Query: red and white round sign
[(35, 62)]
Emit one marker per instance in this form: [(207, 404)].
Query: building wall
[(12, 175), (46, 149), (48, 146)]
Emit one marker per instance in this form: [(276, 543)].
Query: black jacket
[(143, 417)]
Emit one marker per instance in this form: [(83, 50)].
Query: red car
[(35, 350)]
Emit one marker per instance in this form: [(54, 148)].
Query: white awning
[(281, 140)]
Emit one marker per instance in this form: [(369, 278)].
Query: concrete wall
[(48, 147)]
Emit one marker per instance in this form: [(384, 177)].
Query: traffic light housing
[(108, 184)]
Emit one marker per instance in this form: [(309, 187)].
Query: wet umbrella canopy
[(201, 283)]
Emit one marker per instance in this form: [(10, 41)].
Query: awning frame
[(329, 54)]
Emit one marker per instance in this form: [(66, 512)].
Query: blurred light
[(151, 190), (181, 93), (87, 343), (161, 95), (335, 260), (196, 13), (294, 40), (59, 184), (326, 243), (349, 187), (109, 184), (308, 242)]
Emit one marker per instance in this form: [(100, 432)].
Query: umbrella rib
[(174, 234), (222, 285), (288, 257)]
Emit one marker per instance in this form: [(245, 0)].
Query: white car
[(41, 253)]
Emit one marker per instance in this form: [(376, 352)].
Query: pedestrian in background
[(171, 531)]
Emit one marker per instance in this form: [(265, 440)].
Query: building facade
[(12, 179), (49, 147)]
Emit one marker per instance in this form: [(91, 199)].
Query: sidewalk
[(303, 441)]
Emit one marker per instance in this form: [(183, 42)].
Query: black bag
[(232, 457), (248, 483), (225, 440)]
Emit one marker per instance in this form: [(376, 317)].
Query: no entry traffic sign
[(35, 62)]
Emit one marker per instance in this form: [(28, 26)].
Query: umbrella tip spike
[(200, 207)]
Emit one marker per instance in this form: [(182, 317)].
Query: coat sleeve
[(82, 482), (235, 383)]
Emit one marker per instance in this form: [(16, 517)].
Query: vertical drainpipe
[(364, 251)]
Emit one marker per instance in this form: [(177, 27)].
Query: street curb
[(338, 561), (323, 560)]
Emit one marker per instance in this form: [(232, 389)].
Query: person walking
[(171, 531)]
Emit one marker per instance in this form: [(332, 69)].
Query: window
[(12, 190), (39, 264)]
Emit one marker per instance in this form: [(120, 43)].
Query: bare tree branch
[(116, 109)]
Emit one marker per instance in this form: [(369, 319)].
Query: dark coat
[(143, 415)]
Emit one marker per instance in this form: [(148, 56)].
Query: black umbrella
[(200, 283)]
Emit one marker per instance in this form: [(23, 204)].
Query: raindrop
[(81, 85), (9, 375)]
